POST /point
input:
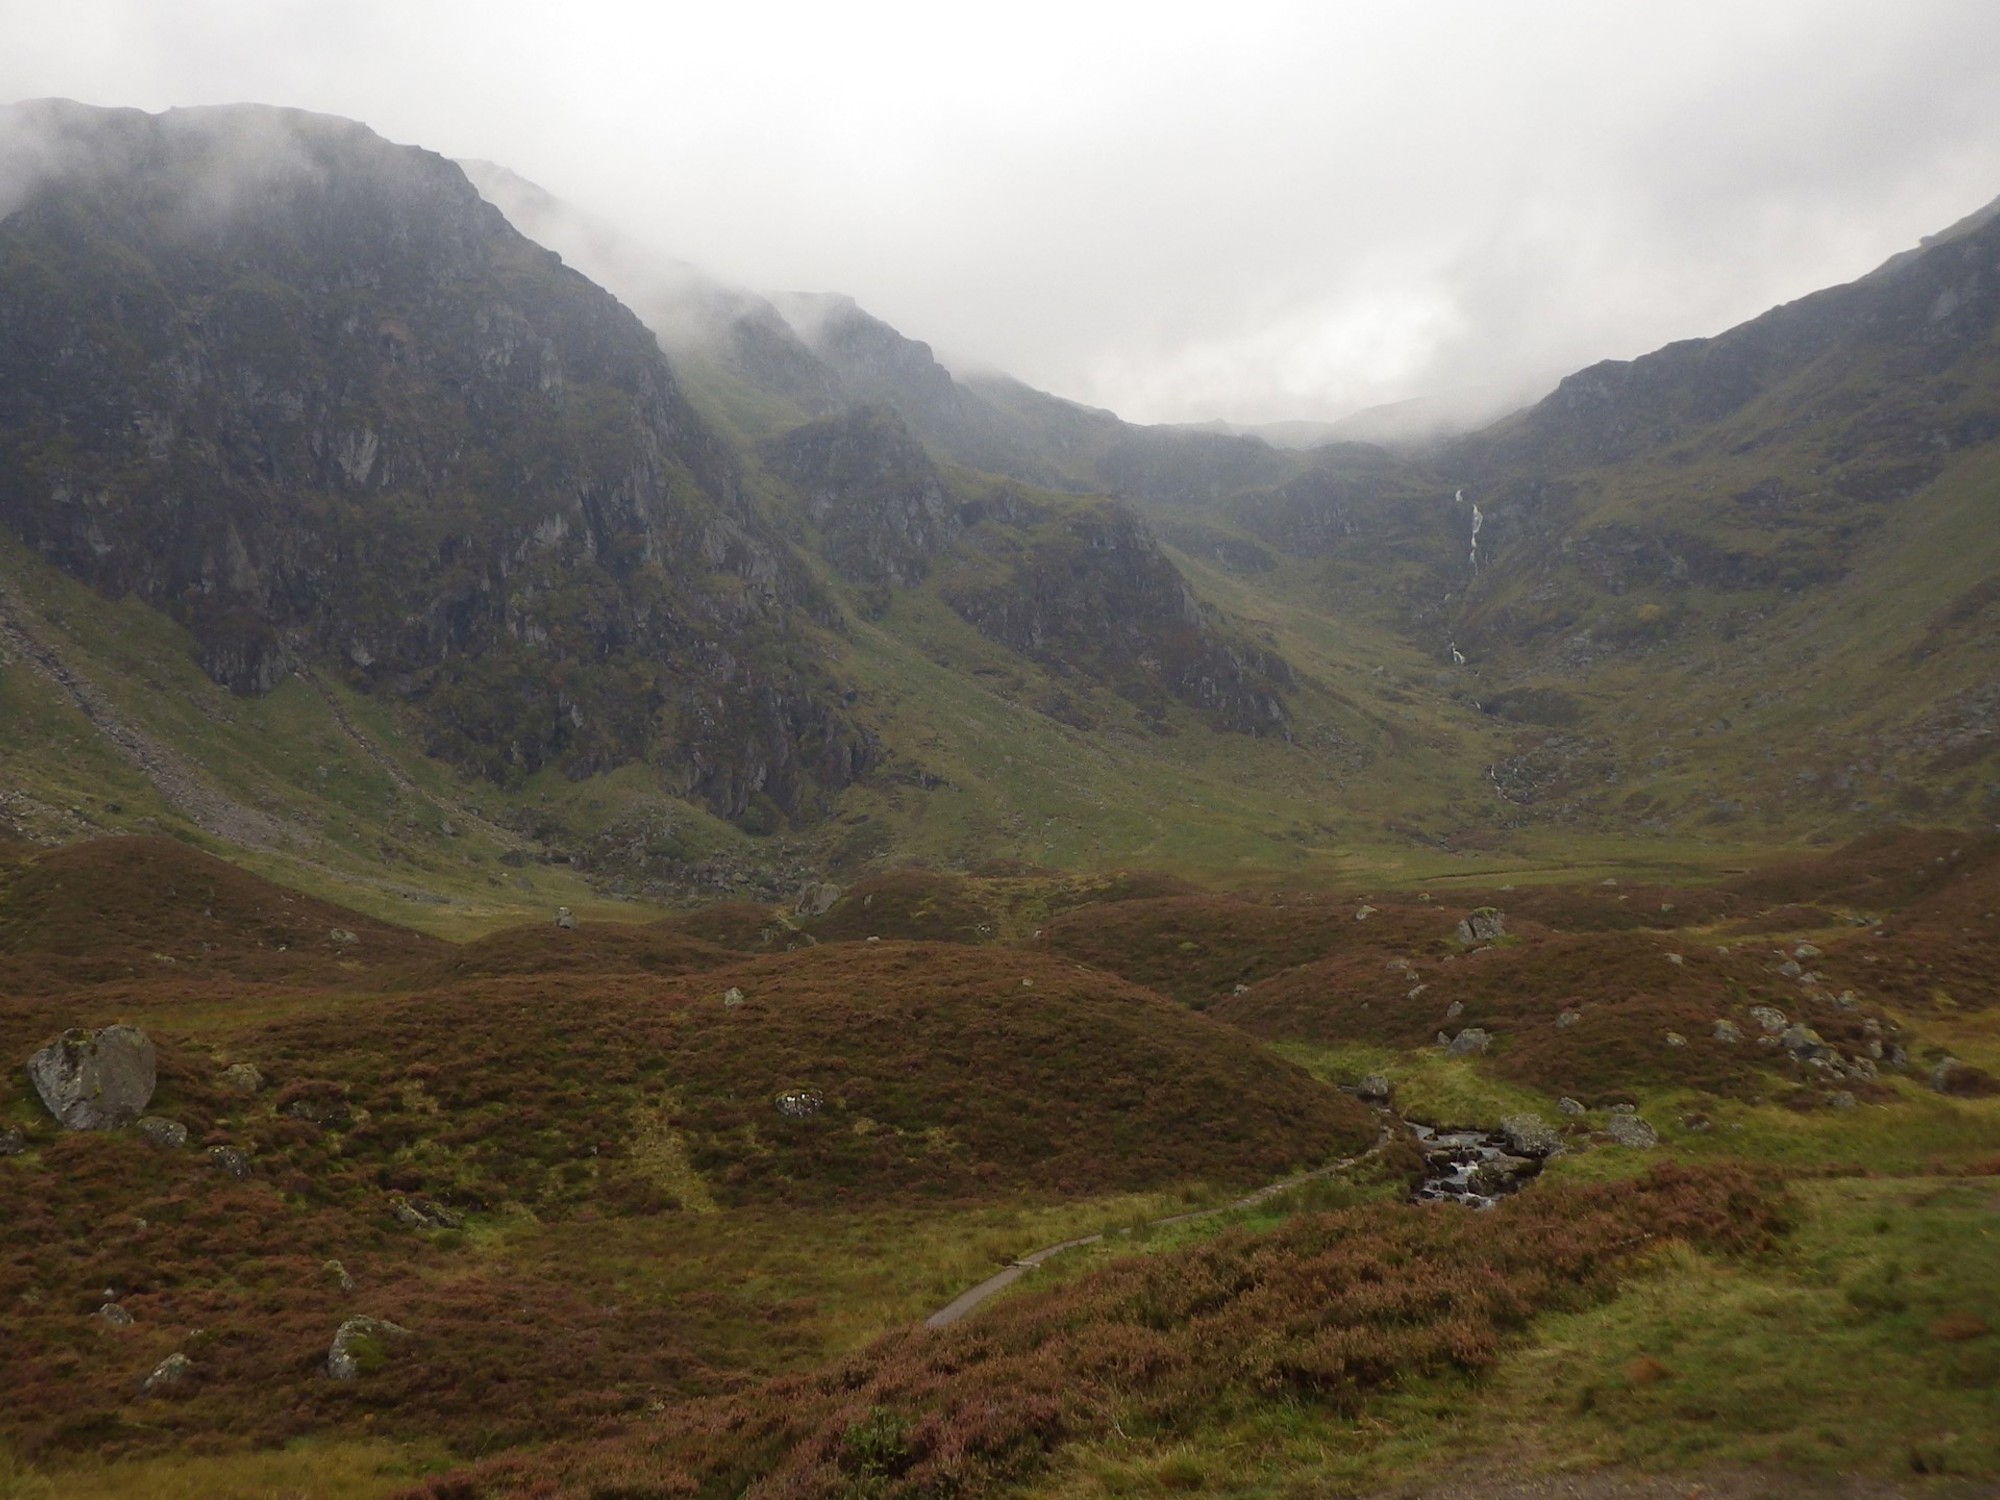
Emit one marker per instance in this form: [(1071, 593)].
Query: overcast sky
[(1242, 208)]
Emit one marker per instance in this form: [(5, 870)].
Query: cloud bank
[(1262, 211)]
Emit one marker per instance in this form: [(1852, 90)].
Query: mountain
[(311, 400), (307, 393)]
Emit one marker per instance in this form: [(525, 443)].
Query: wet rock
[(1375, 1089), (1630, 1130), (96, 1080), (1485, 924), (1568, 1019), (1501, 1174), (171, 1371), (1570, 1107), (1727, 1031), (800, 1104), (230, 1162), (817, 899), (114, 1315), (1472, 1040), (241, 1078), (565, 919), (1530, 1135), (362, 1346), (1770, 1020), (168, 1135), (13, 1141)]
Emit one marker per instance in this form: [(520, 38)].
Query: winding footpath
[(967, 1300)]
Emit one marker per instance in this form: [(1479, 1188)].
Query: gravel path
[(178, 783)]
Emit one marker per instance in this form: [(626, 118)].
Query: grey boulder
[(1630, 1130), (362, 1344), (96, 1080)]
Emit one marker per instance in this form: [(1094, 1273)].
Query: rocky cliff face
[(872, 491), (308, 393), (1091, 590)]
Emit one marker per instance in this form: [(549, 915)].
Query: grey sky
[(1254, 209)]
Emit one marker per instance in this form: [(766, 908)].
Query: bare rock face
[(96, 1080)]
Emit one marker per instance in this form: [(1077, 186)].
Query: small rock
[(1675, 1039), (340, 937), (1531, 1135), (1454, 1010), (1239, 989), (874, 940), (168, 1135), (1873, 1049), (229, 1161), (170, 1371), (1469, 1041), (1898, 1057), (1567, 1019), (1842, 1100), (800, 1104), (1805, 950), (1791, 970), (731, 998), (1675, 958), (1862, 1068), (1444, 1039), (339, 1274), (424, 1213), (1485, 924), (241, 1078), (1363, 913), (13, 1141), (1698, 1123), (1769, 1018), (1726, 1031), (565, 919), (1374, 1089), (362, 1345), (1630, 1130), (1962, 1079), (1846, 1000), (96, 1080), (1569, 1106), (1803, 1043), (115, 1315)]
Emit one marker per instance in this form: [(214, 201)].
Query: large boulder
[(1531, 1135), (96, 1080)]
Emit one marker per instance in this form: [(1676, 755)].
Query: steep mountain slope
[(307, 393)]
